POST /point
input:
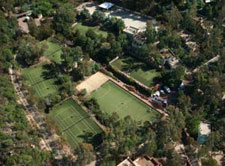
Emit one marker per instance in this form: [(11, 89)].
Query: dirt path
[(215, 59), (49, 142)]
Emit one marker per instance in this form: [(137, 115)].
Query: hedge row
[(130, 81)]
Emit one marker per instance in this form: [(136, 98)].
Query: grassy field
[(112, 98), (42, 86), (73, 122), (83, 29), (138, 70), (53, 51)]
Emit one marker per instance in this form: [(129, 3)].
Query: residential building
[(140, 161)]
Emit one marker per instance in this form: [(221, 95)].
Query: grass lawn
[(138, 70), (112, 98), (83, 29), (41, 85), (73, 122), (53, 51)]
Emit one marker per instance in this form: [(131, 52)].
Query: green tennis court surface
[(113, 98), (41, 85), (138, 70), (53, 51), (73, 122)]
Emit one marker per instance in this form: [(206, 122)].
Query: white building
[(204, 132)]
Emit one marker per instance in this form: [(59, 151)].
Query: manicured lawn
[(73, 122), (136, 69), (54, 51), (113, 98), (41, 85), (83, 29)]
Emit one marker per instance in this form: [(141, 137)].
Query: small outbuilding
[(106, 5)]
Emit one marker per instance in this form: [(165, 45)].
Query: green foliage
[(130, 81), (63, 20), (85, 153), (18, 141), (193, 127), (173, 158), (84, 15), (44, 31), (8, 28), (83, 92), (209, 162), (71, 58), (174, 17), (29, 52), (151, 34), (114, 25), (98, 17), (42, 7), (173, 77)]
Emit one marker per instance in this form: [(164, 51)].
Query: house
[(138, 40), (38, 20), (24, 14), (204, 131), (172, 62), (22, 22), (192, 45), (185, 36), (140, 161), (22, 19)]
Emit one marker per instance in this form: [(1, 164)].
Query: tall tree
[(85, 154), (63, 19), (29, 51), (174, 17)]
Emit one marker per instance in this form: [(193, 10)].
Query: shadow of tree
[(89, 137)]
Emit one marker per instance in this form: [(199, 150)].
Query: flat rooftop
[(140, 161)]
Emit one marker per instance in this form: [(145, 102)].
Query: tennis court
[(137, 69), (53, 51), (73, 122), (113, 98), (42, 86)]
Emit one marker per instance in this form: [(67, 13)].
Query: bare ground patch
[(93, 82)]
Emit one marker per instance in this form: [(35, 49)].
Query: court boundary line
[(133, 97), (70, 136)]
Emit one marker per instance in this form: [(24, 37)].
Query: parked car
[(160, 100), (181, 86), (162, 92), (167, 89)]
